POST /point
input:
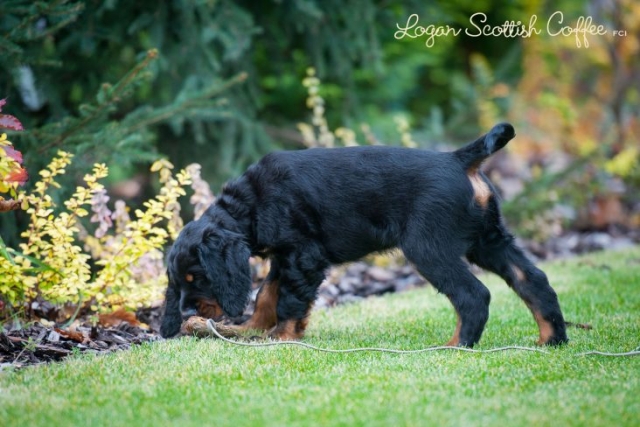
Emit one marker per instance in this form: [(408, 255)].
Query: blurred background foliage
[(218, 82)]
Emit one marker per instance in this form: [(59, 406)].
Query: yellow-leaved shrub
[(118, 266)]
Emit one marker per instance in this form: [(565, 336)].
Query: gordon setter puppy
[(306, 210)]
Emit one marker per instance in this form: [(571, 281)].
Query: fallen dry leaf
[(71, 335), (111, 320), (9, 205)]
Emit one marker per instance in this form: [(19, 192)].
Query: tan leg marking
[(291, 330), (455, 339), (518, 273), (209, 309), (264, 317), (287, 331), (546, 329)]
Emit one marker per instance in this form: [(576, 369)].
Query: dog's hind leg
[(470, 298), (501, 256)]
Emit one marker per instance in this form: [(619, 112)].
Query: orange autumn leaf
[(117, 317), (71, 334), (19, 176)]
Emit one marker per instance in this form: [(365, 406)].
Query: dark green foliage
[(91, 82), (225, 86), (77, 104), (57, 56), (27, 26), (88, 84)]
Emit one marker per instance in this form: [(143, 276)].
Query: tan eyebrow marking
[(189, 277)]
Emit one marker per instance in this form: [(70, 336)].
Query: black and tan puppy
[(307, 210)]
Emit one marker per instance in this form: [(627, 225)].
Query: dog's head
[(209, 274)]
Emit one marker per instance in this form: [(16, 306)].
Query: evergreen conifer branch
[(107, 98)]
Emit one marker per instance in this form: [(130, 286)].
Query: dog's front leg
[(264, 316), (171, 319), (301, 275)]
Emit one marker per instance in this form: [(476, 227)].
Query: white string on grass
[(635, 352), (214, 331)]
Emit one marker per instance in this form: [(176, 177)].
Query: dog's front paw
[(288, 330)]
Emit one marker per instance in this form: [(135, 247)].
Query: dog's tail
[(472, 155)]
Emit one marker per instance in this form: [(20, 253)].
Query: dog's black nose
[(188, 313)]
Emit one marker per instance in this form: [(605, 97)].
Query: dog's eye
[(189, 277)]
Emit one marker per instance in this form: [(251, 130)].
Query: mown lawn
[(191, 382)]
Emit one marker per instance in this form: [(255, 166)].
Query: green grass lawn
[(210, 383)]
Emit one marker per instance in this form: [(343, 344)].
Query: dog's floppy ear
[(224, 256), (171, 320)]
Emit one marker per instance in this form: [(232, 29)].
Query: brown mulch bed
[(43, 342), (37, 344)]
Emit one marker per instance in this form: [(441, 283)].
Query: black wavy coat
[(309, 209)]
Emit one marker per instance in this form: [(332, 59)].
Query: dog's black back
[(308, 209), (356, 200)]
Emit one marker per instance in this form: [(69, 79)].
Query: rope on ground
[(635, 352), (214, 331)]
